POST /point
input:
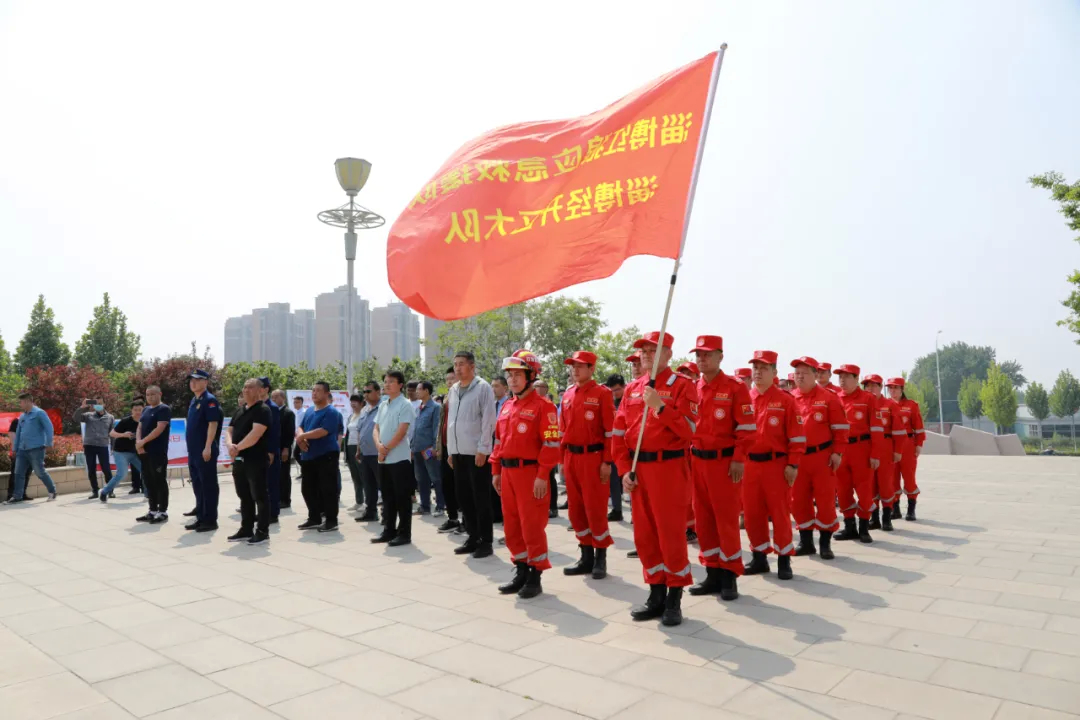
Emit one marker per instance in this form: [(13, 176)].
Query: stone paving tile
[(495, 635), (1017, 711), (311, 647), (256, 627), (768, 701), (379, 673), (794, 672), (1025, 688), (226, 706), (451, 698), (159, 635), (404, 641), (966, 649), (580, 656), (666, 676), (270, 681), (162, 688), (48, 697), (212, 654), (110, 661), (881, 660), (341, 702), (476, 662), (583, 694), (928, 701)]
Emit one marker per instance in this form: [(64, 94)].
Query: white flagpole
[(682, 243)]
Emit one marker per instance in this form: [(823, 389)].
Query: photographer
[(98, 424)]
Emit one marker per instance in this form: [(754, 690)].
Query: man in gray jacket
[(470, 429), (97, 425)]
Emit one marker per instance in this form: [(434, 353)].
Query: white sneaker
[(52, 497), (355, 507)]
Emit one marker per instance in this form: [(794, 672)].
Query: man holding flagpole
[(660, 483)]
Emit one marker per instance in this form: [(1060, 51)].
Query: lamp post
[(352, 174), (940, 402)]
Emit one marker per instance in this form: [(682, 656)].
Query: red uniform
[(865, 441), (586, 422), (526, 449), (778, 442), (886, 480), (826, 427), (725, 429), (916, 435), (659, 505)]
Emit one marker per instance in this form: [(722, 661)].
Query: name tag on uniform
[(664, 393), (592, 401), (527, 414)]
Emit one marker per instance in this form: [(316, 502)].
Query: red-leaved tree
[(171, 375), (63, 388)]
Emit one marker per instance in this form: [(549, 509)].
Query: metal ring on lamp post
[(360, 216)]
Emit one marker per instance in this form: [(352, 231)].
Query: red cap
[(743, 373), (581, 356), (689, 367), (850, 369), (775, 379), (871, 378), (827, 367), (653, 338), (808, 361), (708, 343), (791, 377), (634, 357), (898, 382), (765, 356)]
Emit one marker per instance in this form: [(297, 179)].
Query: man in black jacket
[(288, 433)]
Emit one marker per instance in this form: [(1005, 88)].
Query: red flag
[(529, 209)]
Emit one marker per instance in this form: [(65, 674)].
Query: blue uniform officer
[(273, 472), (203, 437)]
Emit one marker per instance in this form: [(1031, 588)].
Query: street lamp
[(352, 174), (940, 402)]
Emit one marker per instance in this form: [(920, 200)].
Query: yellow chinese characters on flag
[(529, 209)]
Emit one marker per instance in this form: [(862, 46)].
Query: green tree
[(1038, 404), (612, 349), (490, 336), (970, 398), (1065, 399), (924, 393), (556, 327), (5, 358), (998, 398), (107, 343), (1068, 198), (959, 360), (42, 345)]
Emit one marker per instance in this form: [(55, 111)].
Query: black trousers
[(286, 482), (449, 490), (355, 472), (369, 474), (97, 456), (396, 482), (136, 478), (156, 478), (249, 478), (474, 493), (553, 491), (319, 486), (26, 481)]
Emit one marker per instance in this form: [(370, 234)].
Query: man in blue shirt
[(273, 472), (368, 454), (33, 434), (152, 443), (203, 434), (392, 422), (318, 443), (423, 443)]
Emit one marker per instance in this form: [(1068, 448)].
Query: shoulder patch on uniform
[(747, 408), (553, 418), (673, 379)]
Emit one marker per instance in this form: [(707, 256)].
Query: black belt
[(644, 456), (765, 457), (853, 440), (582, 449), (818, 448), (515, 462), (911, 434), (713, 454)]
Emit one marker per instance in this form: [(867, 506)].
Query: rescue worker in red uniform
[(826, 427), (690, 371), (660, 483), (585, 423), (525, 452), (824, 377), (886, 485), (744, 375), (725, 429), (774, 454), (636, 368), (865, 445), (911, 419)]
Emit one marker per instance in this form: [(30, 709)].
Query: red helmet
[(523, 360)]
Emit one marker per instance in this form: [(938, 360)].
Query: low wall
[(936, 444), (75, 480), (1010, 445), (966, 441)]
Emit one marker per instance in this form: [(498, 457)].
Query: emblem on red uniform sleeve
[(694, 408), (798, 419), (553, 418), (748, 409)]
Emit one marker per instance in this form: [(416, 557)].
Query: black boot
[(710, 585), (875, 520), (783, 568), (584, 565), (672, 608), (729, 585), (599, 568), (653, 607), (896, 510), (910, 509), (521, 571), (849, 532), (806, 544), (864, 531), (758, 565), (532, 585), (886, 519), (826, 545)]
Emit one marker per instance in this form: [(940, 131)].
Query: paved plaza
[(971, 613)]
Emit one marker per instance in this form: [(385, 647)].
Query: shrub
[(63, 445)]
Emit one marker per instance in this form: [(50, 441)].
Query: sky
[(864, 183)]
